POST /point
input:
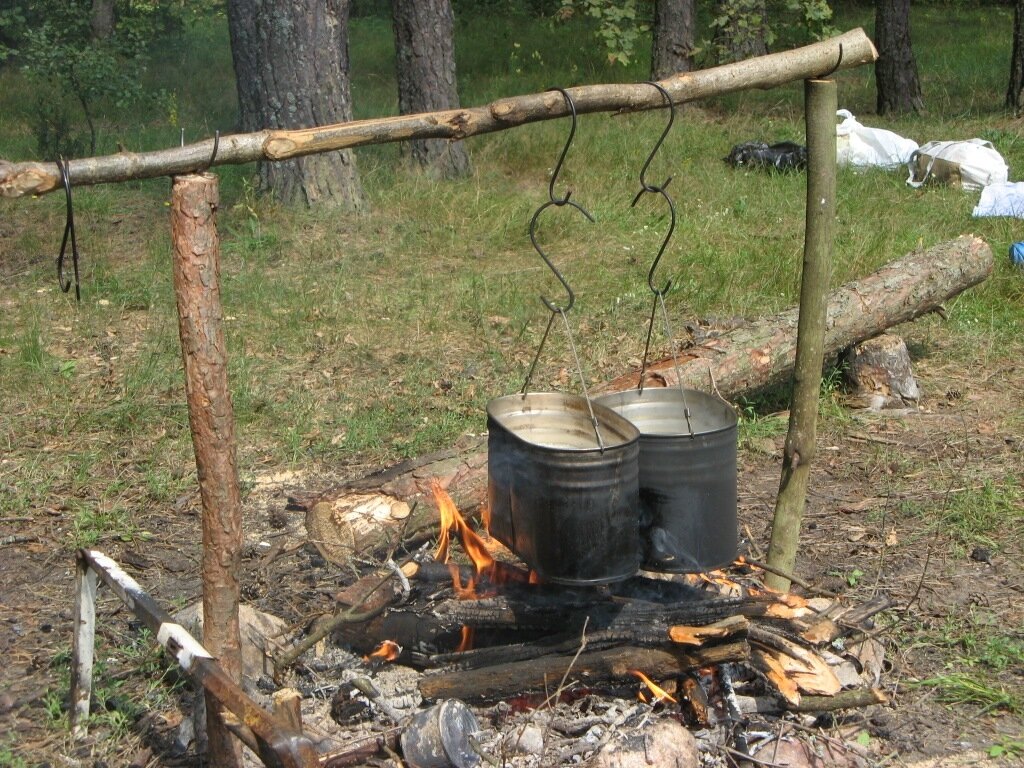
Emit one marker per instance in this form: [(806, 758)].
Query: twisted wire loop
[(69, 234)]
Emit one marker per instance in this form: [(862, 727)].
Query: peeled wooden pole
[(820, 106), (851, 49), (194, 201)]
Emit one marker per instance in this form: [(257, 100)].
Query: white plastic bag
[(864, 147), (970, 164), (1006, 199)]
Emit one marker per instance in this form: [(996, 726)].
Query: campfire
[(469, 642)]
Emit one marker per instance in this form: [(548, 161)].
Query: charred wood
[(589, 667)]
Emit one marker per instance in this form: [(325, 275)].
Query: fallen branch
[(845, 51)]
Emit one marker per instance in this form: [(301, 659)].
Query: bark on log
[(740, 362), (592, 667), (762, 354), (194, 201), (848, 50)]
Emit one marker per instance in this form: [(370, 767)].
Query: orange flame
[(388, 650), (485, 519), (659, 693), (495, 571), (466, 642), (451, 521)]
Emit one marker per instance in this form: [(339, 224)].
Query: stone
[(666, 744)]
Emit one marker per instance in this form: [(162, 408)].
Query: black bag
[(784, 156)]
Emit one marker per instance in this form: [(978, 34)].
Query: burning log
[(590, 667)]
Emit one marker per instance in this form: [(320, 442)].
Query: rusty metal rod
[(278, 745)]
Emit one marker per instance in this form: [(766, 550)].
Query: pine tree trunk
[(672, 46), (291, 66), (101, 19), (1014, 92), (899, 88), (194, 202), (425, 69), (741, 36)]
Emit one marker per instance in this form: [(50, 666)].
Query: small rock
[(666, 744), (982, 555), (526, 740)]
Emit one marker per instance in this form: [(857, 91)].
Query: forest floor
[(954, 639)]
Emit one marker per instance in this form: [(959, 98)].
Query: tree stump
[(880, 375)]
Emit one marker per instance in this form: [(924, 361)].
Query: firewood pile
[(455, 656)]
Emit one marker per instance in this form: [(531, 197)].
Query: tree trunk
[(425, 69), (101, 20), (291, 67), (672, 46), (899, 88), (741, 32), (1013, 93)]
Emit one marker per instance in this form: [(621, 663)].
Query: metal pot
[(687, 477), (558, 499)]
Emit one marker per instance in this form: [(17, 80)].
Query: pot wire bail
[(659, 293), (556, 309)]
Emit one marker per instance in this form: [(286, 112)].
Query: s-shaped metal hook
[(645, 186), (558, 202)]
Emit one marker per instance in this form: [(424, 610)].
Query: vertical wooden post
[(83, 646), (820, 115), (194, 201)]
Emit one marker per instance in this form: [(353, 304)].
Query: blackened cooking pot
[(687, 476), (566, 503)]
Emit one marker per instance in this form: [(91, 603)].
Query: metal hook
[(558, 201), (644, 186), (213, 155), (69, 232), (661, 190), (565, 151), (536, 246), (838, 62)]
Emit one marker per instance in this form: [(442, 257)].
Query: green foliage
[(739, 26), (54, 44), (619, 28)]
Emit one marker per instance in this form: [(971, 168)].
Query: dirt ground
[(879, 484)]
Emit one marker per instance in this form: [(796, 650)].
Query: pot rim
[(612, 424)]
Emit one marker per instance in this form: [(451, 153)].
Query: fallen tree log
[(845, 51), (739, 362), (762, 354)]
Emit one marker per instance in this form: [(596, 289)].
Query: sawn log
[(739, 362)]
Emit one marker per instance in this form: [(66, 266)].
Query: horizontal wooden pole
[(845, 51)]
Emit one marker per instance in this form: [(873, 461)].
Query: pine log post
[(194, 201), (820, 106)]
